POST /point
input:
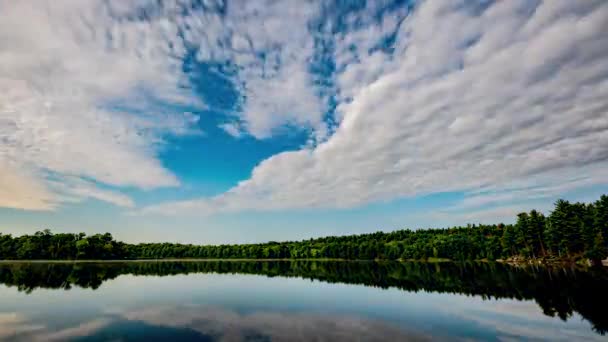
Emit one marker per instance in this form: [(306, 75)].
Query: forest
[(571, 231)]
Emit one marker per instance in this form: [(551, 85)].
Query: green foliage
[(49, 246), (508, 241), (601, 218), (570, 231)]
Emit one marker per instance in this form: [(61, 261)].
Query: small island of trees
[(571, 232)]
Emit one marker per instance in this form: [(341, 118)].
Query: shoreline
[(82, 261), (511, 262)]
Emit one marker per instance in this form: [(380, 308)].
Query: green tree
[(598, 250), (508, 241), (601, 218), (536, 226), (565, 228), (82, 247)]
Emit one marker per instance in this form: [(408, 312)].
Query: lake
[(299, 301)]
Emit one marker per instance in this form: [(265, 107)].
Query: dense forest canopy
[(571, 231)]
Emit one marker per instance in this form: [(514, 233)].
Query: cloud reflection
[(516, 321), (229, 325), (206, 323), (13, 324)]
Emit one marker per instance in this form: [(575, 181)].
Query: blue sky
[(213, 122)]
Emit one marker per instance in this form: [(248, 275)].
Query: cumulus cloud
[(270, 46), (65, 66), (475, 98)]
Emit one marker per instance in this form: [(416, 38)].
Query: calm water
[(304, 300)]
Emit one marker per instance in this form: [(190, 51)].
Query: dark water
[(299, 301)]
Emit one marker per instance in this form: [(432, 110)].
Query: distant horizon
[(470, 224), (545, 208)]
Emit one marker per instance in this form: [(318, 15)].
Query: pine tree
[(508, 241), (598, 250), (565, 228), (601, 218), (550, 238), (523, 234), (536, 224), (589, 229)]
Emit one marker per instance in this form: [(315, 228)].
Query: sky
[(248, 121)]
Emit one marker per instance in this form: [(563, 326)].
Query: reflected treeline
[(558, 291)]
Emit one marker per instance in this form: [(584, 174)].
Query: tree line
[(571, 231), (558, 291)]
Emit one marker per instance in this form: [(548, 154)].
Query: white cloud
[(232, 129), (62, 64), (21, 191), (470, 99), (540, 187), (270, 45), (73, 189), (73, 73), (481, 100)]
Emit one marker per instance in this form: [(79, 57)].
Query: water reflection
[(558, 292), (226, 325), (201, 323)]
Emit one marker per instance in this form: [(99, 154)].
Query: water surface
[(299, 300)]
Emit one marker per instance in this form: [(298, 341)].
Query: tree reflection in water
[(558, 291)]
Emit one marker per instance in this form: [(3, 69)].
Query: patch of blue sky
[(214, 161), (409, 212)]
